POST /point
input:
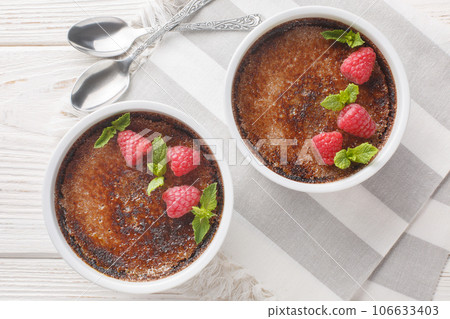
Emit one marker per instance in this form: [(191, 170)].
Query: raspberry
[(183, 159), (328, 144), (180, 200), (358, 67), (354, 119), (133, 147)]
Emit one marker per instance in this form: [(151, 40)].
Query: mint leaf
[(161, 169), (341, 160), (333, 102), (354, 40), (362, 153), (208, 199), (152, 168), (107, 134), (343, 96), (201, 227), (208, 202), (117, 125), (122, 122), (336, 102), (159, 150), (351, 38), (338, 35), (157, 169), (352, 91), (159, 153), (155, 183)]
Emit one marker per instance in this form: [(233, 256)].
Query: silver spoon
[(107, 80), (110, 36)]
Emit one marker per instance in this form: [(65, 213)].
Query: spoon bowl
[(104, 82), (103, 36)]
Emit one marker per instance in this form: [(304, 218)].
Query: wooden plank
[(27, 22), (25, 237), (23, 161), (54, 279), (36, 84), (438, 10), (34, 114)]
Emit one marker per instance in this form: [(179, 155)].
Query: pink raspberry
[(354, 119), (133, 146), (180, 200), (328, 144), (358, 67), (183, 159)]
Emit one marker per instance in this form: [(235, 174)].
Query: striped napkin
[(359, 243)]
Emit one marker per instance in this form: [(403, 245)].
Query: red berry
[(133, 146), (358, 67), (183, 159), (179, 200), (328, 144), (354, 119)]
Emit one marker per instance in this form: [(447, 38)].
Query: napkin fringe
[(224, 280)]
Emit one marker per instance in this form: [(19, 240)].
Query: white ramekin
[(398, 72), (72, 258)]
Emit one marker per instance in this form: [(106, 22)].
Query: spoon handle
[(189, 9), (243, 23)]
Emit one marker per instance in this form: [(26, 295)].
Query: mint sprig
[(159, 165), (336, 102), (360, 154), (351, 38), (108, 132), (208, 203)]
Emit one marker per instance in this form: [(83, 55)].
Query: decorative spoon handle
[(189, 9), (243, 23)]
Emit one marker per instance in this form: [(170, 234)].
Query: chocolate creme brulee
[(280, 84), (109, 220)]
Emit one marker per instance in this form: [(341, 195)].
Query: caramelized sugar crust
[(108, 219), (263, 110)]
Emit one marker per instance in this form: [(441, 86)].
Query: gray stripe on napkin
[(442, 194), (404, 193), (412, 268), (351, 253), (317, 236)]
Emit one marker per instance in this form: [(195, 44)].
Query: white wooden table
[(37, 71)]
